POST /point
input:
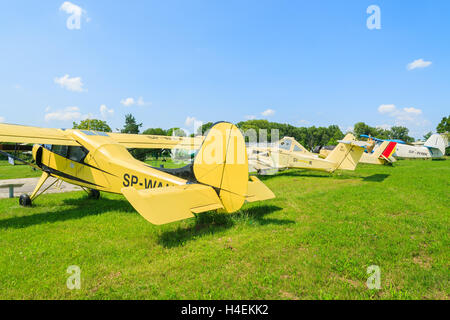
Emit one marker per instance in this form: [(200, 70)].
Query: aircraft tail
[(438, 142), (385, 151), (222, 163), (347, 153), (220, 169)]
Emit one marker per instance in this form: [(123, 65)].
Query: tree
[(155, 131), (427, 136), (177, 132), (401, 133), (205, 127), (131, 126), (92, 124), (362, 128), (444, 125), (156, 153)]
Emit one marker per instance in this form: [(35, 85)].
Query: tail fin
[(347, 153), (438, 142), (386, 150), (221, 182), (221, 162)]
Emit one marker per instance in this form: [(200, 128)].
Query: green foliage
[(396, 132), (427, 136), (131, 126), (315, 240), (92, 124), (444, 125), (400, 133), (155, 131), (176, 131), (309, 137), (204, 128)]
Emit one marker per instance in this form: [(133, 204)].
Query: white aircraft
[(434, 147)]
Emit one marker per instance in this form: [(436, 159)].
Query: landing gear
[(94, 194), (25, 200)]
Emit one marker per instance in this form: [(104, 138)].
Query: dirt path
[(30, 184)]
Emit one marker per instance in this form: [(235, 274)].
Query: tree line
[(310, 137)]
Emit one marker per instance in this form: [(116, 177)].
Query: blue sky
[(170, 62)]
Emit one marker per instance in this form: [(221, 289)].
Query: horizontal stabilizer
[(257, 191), (164, 205), (361, 144)]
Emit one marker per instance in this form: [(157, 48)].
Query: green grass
[(8, 171), (314, 241)]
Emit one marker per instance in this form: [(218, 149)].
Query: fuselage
[(100, 163), (407, 151), (277, 158)]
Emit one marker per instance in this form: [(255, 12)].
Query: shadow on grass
[(311, 174), (376, 177), (82, 207), (211, 223), (338, 175)]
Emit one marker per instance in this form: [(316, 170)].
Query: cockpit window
[(297, 148), (94, 133), (88, 133), (60, 150), (77, 154), (285, 145)]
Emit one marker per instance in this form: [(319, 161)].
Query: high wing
[(24, 134), (142, 141)]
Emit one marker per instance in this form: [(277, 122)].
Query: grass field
[(7, 171), (314, 241)]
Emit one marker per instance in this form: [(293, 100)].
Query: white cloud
[(268, 113), (71, 84), (418, 64), (128, 102), (405, 116), (250, 117), (76, 12), (412, 111), (2, 119), (67, 114), (106, 112), (386, 108)]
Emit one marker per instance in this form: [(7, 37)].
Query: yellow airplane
[(288, 153), (217, 179), (381, 154)]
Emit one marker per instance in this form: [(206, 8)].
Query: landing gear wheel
[(25, 200), (94, 194)]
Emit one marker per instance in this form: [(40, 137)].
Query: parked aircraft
[(434, 147), (376, 153), (288, 153), (217, 179)]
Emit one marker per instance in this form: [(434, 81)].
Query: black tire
[(25, 200), (94, 194)]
